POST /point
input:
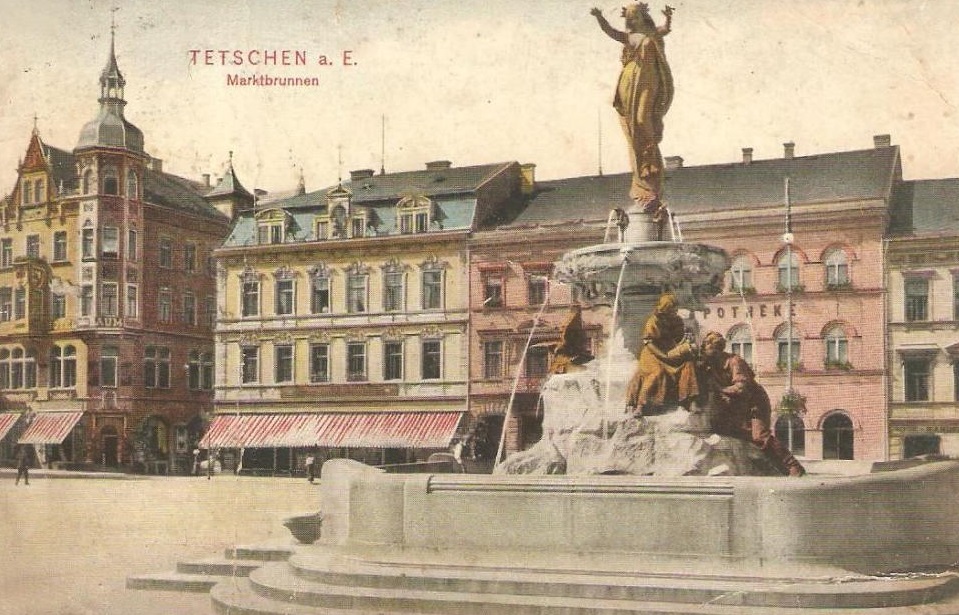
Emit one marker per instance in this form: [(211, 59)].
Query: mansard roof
[(178, 193), (833, 177), (923, 207)]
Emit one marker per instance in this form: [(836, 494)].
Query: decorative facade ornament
[(431, 332), (432, 263), (285, 272)]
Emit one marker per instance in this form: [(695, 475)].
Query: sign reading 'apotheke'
[(761, 310)]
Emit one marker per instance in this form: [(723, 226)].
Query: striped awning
[(7, 421), (333, 430), (49, 427)]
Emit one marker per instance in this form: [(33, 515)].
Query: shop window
[(915, 445), (837, 437)]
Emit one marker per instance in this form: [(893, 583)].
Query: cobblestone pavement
[(68, 544)]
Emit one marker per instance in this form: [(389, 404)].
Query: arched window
[(787, 344), (796, 441), (788, 267), (4, 368), (837, 269), (837, 437), (837, 347), (131, 184), (741, 274), (87, 181), (741, 343)]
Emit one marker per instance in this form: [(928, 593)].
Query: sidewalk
[(42, 473)]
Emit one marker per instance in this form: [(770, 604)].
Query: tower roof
[(110, 128), (229, 184)]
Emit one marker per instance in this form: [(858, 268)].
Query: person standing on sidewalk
[(23, 466), (310, 467)]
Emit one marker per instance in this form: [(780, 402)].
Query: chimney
[(438, 165), (789, 150), (206, 179), (156, 164), (527, 173), (673, 162), (882, 141), (361, 174), (747, 156)]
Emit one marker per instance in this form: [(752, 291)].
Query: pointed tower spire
[(111, 79), (301, 186)]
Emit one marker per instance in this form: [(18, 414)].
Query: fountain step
[(271, 552), (279, 582), (218, 566), (590, 583), (175, 581), (238, 598)]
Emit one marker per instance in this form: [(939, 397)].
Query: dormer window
[(414, 214), (338, 217), (358, 226), (271, 227), (322, 227), (270, 233)]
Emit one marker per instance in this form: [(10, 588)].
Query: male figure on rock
[(743, 406)]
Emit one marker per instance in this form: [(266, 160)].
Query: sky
[(480, 82)]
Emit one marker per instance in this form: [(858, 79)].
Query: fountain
[(655, 514)]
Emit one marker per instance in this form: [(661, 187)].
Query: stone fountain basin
[(871, 523), (689, 269)]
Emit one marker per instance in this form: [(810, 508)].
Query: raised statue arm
[(667, 27), (610, 31)]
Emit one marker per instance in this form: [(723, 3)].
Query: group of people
[(671, 370)]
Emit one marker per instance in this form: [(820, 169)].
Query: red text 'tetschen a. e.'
[(260, 57)]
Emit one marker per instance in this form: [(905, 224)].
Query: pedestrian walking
[(23, 467), (310, 467), (196, 462)]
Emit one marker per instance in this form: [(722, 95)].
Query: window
[(189, 257), (915, 375), (837, 437), (209, 312), (414, 214), (283, 363), (837, 269), (108, 300), (955, 297), (133, 302), (537, 362), (86, 300), (917, 299), (356, 361), (23, 370), (915, 445), (393, 361), (33, 246), (493, 360), (322, 230), (108, 366), (285, 297), (319, 362), (38, 195), (58, 306), (27, 192), (166, 252), (156, 367), (741, 274), (955, 381), (6, 252), (796, 442), (189, 308), (356, 293), (87, 181), (110, 241), (131, 184), (4, 368), (837, 348), (211, 266), (87, 243), (132, 245), (63, 367), (165, 305), (6, 304), (193, 371), (788, 267), (251, 364), (493, 292), (320, 295), (251, 298), (392, 291), (206, 371), (432, 289), (19, 303), (741, 343), (536, 290), (270, 233), (785, 342), (358, 227), (432, 360), (60, 246)]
